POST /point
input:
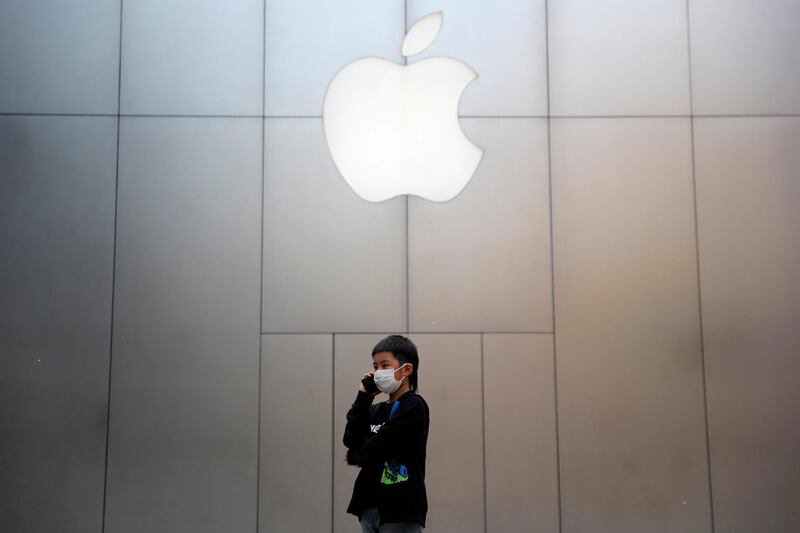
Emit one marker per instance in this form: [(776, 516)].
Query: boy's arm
[(397, 435), (359, 416)]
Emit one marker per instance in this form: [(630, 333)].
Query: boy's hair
[(404, 351)]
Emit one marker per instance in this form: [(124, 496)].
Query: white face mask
[(384, 379)]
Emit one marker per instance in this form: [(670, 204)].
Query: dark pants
[(369, 524)]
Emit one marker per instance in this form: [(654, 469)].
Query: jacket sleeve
[(398, 436), (359, 416)]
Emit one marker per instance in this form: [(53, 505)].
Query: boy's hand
[(361, 385)]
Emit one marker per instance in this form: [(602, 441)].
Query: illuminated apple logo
[(393, 129)]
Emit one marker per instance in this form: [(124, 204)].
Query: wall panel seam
[(697, 260), (113, 275), (552, 260)]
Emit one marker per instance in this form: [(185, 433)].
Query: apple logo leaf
[(422, 34)]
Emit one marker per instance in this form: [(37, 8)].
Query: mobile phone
[(369, 384)]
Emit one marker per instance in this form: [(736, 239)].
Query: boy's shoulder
[(412, 398), (417, 399)]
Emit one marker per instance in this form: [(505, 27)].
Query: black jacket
[(391, 454)]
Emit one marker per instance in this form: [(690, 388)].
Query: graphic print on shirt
[(393, 473)]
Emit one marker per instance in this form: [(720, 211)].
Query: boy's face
[(382, 360)]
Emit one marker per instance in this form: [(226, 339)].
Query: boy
[(387, 442)]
